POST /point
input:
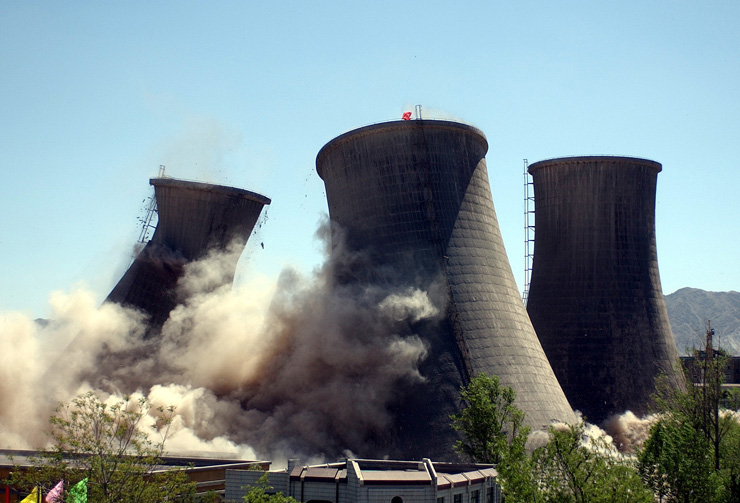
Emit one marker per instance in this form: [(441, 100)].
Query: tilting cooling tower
[(193, 219), (595, 298), (413, 197)]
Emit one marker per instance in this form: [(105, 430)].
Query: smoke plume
[(292, 366), (44, 364)]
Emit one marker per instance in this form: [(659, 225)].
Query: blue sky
[(94, 96)]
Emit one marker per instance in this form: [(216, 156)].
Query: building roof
[(392, 472)]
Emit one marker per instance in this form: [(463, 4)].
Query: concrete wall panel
[(414, 197), (193, 219), (595, 298)]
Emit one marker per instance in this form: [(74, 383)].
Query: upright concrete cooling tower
[(413, 198), (193, 219), (595, 298)]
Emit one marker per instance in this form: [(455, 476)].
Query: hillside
[(690, 308)]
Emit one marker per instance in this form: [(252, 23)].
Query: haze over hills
[(690, 308)]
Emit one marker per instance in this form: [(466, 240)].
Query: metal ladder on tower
[(528, 230), (146, 222)]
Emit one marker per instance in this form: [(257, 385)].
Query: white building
[(375, 481)]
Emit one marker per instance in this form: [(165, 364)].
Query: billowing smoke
[(277, 368), (628, 431), (43, 361), (295, 366)]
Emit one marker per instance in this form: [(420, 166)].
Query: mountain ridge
[(689, 309)]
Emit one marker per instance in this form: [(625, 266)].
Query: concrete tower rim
[(560, 161), (209, 187), (389, 126)]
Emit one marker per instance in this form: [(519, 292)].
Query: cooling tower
[(193, 219), (595, 298), (413, 199)]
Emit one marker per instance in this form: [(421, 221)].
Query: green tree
[(107, 445), (489, 421), (210, 497), (575, 467), (693, 451), (517, 474), (676, 462), (571, 467), (731, 463), (262, 492)]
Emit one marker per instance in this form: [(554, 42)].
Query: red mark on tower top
[(407, 116)]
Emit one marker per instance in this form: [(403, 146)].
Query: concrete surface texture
[(595, 298), (193, 218), (412, 199)]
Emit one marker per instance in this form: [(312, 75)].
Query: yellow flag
[(33, 497)]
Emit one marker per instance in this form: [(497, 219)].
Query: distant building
[(375, 481), (693, 366), (351, 481)]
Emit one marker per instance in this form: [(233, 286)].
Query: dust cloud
[(626, 432), (42, 363), (293, 366), (629, 431), (276, 368)]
